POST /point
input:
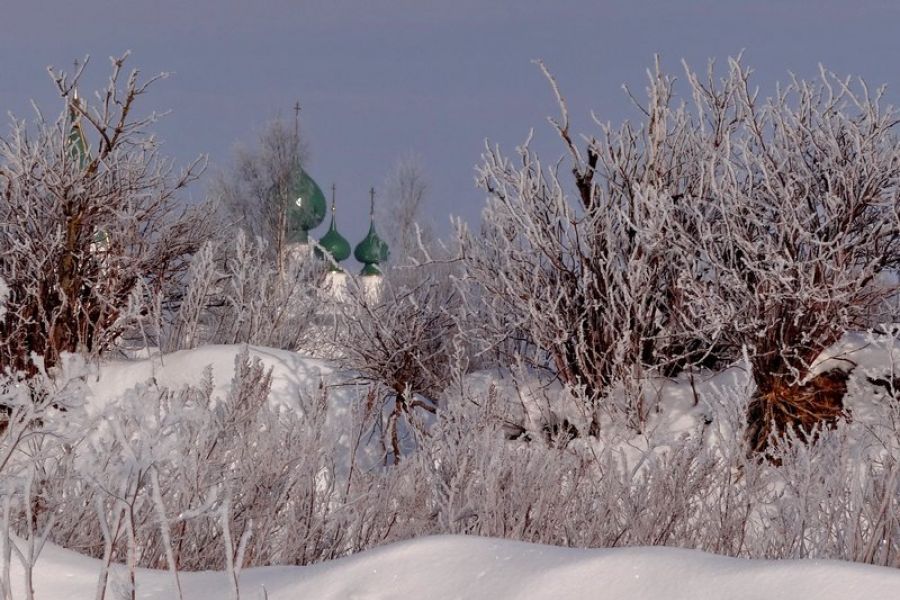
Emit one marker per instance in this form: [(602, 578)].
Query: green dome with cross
[(333, 242), (372, 250)]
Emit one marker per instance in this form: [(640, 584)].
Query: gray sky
[(383, 79)]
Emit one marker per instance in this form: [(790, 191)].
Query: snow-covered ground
[(676, 405), (292, 373), (446, 567), (293, 376), (471, 568)]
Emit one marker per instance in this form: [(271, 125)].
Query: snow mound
[(293, 376), (471, 568), (292, 373)]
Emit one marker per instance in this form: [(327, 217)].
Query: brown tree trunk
[(779, 406)]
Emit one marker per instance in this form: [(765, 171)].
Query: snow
[(292, 373), (451, 567), (471, 568), (870, 352), (678, 406), (684, 404)]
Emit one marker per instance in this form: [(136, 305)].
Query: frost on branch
[(402, 340), (572, 268), (86, 239), (722, 223), (797, 226)]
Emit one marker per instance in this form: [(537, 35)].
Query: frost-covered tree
[(712, 226), (796, 223), (571, 269), (92, 224)]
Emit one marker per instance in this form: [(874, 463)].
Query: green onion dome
[(372, 250), (333, 242), (306, 208)]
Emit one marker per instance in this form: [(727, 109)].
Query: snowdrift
[(292, 373), (470, 568)]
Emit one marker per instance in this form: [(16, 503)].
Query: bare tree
[(87, 235), (401, 212), (259, 190)]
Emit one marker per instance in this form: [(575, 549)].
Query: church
[(307, 211)]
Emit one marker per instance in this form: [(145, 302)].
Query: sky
[(381, 80)]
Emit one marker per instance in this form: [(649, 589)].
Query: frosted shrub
[(723, 222), (185, 481), (571, 270), (402, 339), (264, 306), (204, 473), (83, 235), (826, 497), (189, 327), (41, 426), (797, 224), (236, 294)]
